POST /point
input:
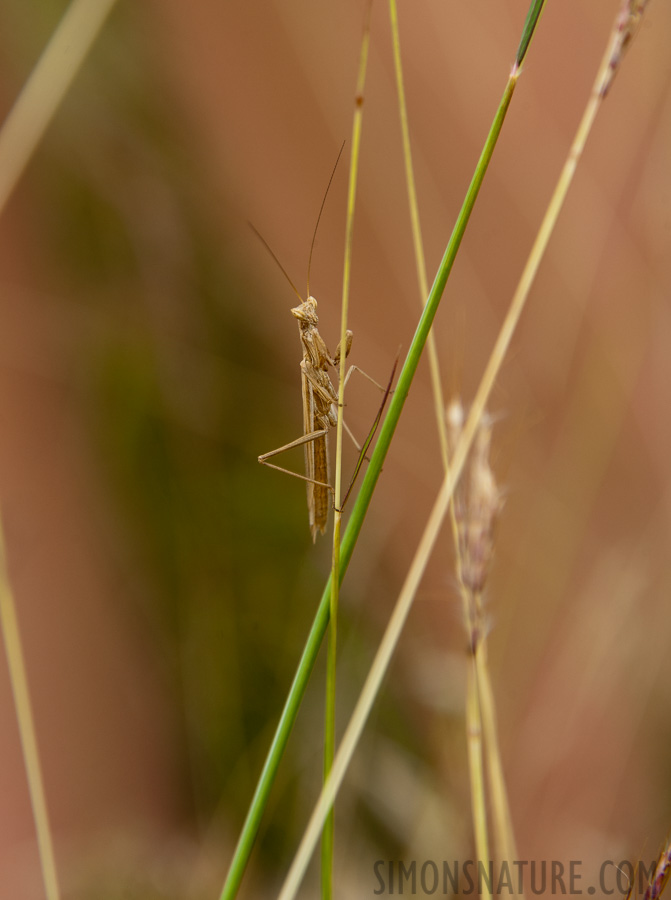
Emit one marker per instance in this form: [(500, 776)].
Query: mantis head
[(306, 313)]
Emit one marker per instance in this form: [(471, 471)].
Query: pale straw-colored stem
[(20, 134), (48, 84), (330, 706), (24, 715), (476, 769), (474, 734)]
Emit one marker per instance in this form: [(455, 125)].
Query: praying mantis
[(320, 399), (320, 413)]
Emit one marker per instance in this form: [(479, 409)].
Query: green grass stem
[(360, 509)]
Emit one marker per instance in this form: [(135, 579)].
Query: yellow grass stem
[(48, 84), (474, 732), (24, 715), (420, 262), (502, 821), (21, 132), (475, 766), (329, 727)]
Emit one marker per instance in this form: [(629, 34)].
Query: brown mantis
[(320, 400), (320, 412)]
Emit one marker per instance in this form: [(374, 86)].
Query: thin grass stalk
[(20, 134), (480, 746), (330, 707), (502, 821), (474, 730), (328, 832), (46, 87), (354, 525), (624, 28), (476, 738), (418, 244), (19, 681), (475, 766)]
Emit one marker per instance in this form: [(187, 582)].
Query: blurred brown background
[(165, 582)]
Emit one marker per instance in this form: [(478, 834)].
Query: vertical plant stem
[(418, 244), (503, 828), (21, 132), (330, 705), (24, 715), (475, 766), (328, 832), (475, 731)]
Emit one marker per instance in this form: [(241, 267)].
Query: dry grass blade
[(480, 698), (49, 82), (24, 714)]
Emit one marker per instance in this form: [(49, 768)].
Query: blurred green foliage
[(171, 371)]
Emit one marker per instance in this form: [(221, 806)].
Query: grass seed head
[(477, 502)]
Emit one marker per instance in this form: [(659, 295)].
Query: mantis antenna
[(321, 210), (270, 250), (314, 234)]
